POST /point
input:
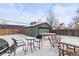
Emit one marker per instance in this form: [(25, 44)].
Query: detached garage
[(35, 29)]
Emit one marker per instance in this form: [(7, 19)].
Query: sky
[(28, 12)]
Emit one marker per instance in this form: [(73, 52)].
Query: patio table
[(30, 42), (52, 35)]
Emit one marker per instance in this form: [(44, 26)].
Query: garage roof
[(38, 24)]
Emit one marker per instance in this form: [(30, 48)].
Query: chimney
[(33, 23)]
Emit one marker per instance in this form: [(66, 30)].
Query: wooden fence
[(72, 32)]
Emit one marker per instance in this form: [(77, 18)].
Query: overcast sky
[(32, 12)]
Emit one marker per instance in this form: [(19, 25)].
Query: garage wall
[(35, 30), (43, 30), (27, 31)]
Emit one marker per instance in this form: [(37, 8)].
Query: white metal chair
[(30, 43), (38, 41), (20, 43), (54, 39)]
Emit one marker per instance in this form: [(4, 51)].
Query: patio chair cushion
[(21, 44)]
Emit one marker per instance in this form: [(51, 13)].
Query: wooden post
[(63, 50)]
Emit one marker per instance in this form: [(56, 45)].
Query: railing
[(72, 32)]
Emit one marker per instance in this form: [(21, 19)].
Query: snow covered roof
[(37, 24)]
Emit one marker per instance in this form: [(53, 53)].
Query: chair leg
[(39, 45), (53, 44), (51, 47), (59, 53), (14, 52), (41, 42), (33, 45), (9, 54), (63, 53), (25, 49), (31, 49)]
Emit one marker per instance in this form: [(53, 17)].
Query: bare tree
[(70, 26), (76, 20), (51, 19)]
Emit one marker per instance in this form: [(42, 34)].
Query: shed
[(34, 30)]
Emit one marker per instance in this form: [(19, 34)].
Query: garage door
[(42, 30)]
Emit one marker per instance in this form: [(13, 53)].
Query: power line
[(22, 12), (4, 20), (46, 11)]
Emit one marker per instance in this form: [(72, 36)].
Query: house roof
[(38, 24)]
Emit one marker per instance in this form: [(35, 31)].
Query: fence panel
[(72, 32)]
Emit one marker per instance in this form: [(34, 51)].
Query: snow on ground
[(71, 40), (45, 49)]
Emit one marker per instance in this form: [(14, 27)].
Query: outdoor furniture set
[(64, 48), (6, 49), (52, 37), (34, 42)]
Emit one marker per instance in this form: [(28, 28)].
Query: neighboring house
[(76, 25), (35, 29)]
